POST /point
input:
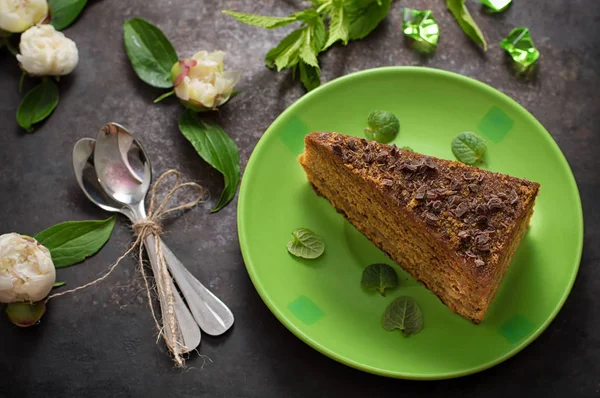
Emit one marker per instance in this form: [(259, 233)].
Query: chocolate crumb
[(479, 263), (461, 209), (387, 183)]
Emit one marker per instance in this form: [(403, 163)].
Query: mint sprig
[(322, 25)]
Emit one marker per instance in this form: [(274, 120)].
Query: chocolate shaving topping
[(469, 253), (461, 209), (431, 218), (421, 192), (479, 262), (514, 197), (474, 188), (437, 205), (387, 183), (352, 145), (429, 163), (337, 149), (494, 203), (431, 194), (468, 176), (464, 234)]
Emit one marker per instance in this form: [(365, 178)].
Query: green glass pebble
[(519, 45), (421, 29)]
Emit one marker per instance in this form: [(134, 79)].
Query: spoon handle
[(213, 316), (189, 329)]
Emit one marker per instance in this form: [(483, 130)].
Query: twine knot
[(150, 226)]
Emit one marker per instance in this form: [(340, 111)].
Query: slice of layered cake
[(453, 227)]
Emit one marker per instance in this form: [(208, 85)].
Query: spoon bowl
[(122, 166)]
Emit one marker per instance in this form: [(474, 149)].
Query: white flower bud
[(201, 83), (26, 269), (46, 52), (16, 16)]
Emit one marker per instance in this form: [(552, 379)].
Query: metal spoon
[(124, 172), (83, 155)]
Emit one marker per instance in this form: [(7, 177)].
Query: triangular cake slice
[(453, 227)]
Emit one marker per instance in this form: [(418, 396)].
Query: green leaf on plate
[(64, 12), (306, 244), (466, 22), (261, 21), (59, 284), (382, 126), (379, 277), (73, 241), (339, 23), (37, 104), (365, 15), (468, 147), (216, 148), (405, 314), (151, 54)]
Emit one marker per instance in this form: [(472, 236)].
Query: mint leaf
[(64, 12), (310, 76), (382, 126), (468, 147), (216, 148), (379, 277), (405, 314), (73, 241), (262, 21), (305, 244), (365, 16), (286, 53), (339, 24), (38, 104), (151, 54), (466, 22)]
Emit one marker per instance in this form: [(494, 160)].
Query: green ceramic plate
[(321, 301)]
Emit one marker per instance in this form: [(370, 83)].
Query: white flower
[(46, 52), (201, 83), (26, 269), (19, 15)]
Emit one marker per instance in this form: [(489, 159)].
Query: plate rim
[(244, 192)]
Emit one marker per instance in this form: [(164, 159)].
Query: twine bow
[(148, 230)]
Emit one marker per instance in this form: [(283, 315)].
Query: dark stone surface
[(100, 343)]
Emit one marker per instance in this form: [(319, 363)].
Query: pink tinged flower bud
[(201, 83)]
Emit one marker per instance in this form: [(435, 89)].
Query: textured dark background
[(100, 342)]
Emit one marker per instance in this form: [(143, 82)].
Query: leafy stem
[(164, 95), (9, 46)]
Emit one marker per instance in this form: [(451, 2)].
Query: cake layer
[(406, 204)]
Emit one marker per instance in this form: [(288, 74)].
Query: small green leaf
[(59, 284), (313, 38), (405, 314), (365, 15), (339, 24), (379, 277), (305, 244), (285, 54), (65, 12), (382, 126), (216, 148), (261, 21), (25, 314), (151, 54), (466, 22), (37, 104), (310, 76), (73, 241), (468, 147)]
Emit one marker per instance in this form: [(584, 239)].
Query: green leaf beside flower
[(65, 12), (38, 104), (214, 146), (151, 54), (73, 241)]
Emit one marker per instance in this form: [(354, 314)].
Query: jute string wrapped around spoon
[(144, 228)]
